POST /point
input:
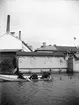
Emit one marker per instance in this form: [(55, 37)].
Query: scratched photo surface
[(39, 36)]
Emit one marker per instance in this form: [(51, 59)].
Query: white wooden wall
[(42, 62), (76, 65)]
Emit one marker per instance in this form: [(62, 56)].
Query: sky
[(50, 21)]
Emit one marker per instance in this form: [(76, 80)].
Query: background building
[(20, 55), (55, 48)]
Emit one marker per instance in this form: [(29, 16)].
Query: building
[(39, 61), (71, 55), (56, 58), (20, 55), (9, 46), (55, 48)]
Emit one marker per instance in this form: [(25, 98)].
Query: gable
[(8, 42)]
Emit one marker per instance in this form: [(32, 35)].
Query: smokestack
[(20, 35), (44, 44), (8, 24)]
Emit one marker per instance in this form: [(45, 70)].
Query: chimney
[(44, 44), (8, 24), (20, 35)]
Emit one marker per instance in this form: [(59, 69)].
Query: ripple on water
[(63, 91)]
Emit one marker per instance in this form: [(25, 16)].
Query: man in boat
[(34, 76), (45, 75)]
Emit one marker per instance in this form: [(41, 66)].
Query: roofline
[(56, 50), (39, 54), (10, 50), (27, 46)]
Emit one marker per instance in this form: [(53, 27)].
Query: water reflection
[(63, 90), (70, 75), (6, 97)]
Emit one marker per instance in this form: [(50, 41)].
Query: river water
[(63, 90)]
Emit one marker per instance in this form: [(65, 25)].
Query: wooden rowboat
[(11, 78), (14, 78)]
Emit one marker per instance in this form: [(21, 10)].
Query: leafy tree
[(6, 66)]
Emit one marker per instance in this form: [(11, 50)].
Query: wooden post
[(70, 65), (17, 66)]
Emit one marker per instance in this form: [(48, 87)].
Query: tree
[(6, 66)]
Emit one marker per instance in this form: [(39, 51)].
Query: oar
[(29, 80)]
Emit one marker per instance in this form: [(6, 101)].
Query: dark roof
[(67, 48), (46, 48), (57, 48), (57, 54)]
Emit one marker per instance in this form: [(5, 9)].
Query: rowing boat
[(40, 79), (14, 78)]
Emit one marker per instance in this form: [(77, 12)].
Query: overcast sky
[(50, 21)]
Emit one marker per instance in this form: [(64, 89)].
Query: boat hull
[(11, 78), (14, 78)]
